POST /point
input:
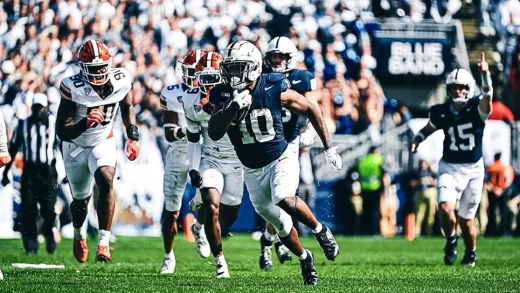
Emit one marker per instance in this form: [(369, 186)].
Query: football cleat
[(103, 253), (450, 251), (328, 243), (222, 268), (168, 266), (470, 259), (202, 242), (282, 252), (266, 258), (309, 274), (80, 250)]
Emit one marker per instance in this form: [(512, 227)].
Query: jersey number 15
[(463, 140)]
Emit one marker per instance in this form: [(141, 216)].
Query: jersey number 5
[(259, 127), (108, 110), (466, 139)]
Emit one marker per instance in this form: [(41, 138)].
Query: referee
[(35, 137)]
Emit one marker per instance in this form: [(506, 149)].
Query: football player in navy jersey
[(461, 169), (281, 57), (248, 107)]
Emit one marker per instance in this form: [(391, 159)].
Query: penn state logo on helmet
[(95, 62)]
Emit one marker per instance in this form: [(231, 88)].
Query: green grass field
[(364, 264)]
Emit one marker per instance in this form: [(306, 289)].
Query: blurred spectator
[(501, 112), (371, 176), (425, 198), (500, 176)]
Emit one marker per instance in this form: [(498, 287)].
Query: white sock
[(80, 234), (104, 238), (318, 228), (170, 255), (276, 239), (220, 258), (269, 236), (304, 255), (197, 226)]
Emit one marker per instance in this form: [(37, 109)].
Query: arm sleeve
[(194, 154), (4, 151)]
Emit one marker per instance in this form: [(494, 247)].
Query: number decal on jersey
[(118, 74), (77, 80), (194, 90), (286, 115), (464, 134), (172, 87), (259, 127), (109, 111)]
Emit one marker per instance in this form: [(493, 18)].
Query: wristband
[(132, 131)]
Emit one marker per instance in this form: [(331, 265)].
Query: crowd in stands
[(39, 41)]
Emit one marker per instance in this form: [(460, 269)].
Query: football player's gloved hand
[(95, 116), (306, 139), (334, 160), (243, 99), (132, 149), (196, 178)]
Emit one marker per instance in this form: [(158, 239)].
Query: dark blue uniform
[(259, 138), (463, 131), (302, 81)]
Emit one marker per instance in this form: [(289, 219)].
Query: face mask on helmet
[(458, 93), (208, 79), (235, 73), (188, 75), (278, 62)]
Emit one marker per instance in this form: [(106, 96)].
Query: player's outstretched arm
[(486, 105), (194, 152), (421, 136), (5, 158), (66, 129), (172, 130), (297, 103), (132, 131)]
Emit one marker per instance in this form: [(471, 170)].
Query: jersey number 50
[(259, 127), (108, 110), (468, 139)]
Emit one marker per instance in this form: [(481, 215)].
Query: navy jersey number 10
[(258, 125)]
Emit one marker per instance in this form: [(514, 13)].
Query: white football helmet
[(283, 46), (241, 64), (460, 77)]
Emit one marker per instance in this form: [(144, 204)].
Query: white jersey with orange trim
[(198, 120), (172, 98), (76, 89)]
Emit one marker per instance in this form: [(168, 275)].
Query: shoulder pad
[(274, 77)]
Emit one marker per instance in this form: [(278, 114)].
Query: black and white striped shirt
[(36, 138)]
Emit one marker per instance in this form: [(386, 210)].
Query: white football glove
[(243, 99), (333, 159), (307, 139)]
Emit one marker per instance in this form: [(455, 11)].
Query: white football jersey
[(78, 90), (198, 121), (172, 98)]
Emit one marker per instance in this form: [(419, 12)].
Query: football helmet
[(241, 64), (460, 77), (188, 65), (207, 71), (95, 62), (281, 49)]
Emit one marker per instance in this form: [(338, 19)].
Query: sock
[(220, 258), (304, 255), (104, 238), (217, 250), (169, 255), (277, 239), (269, 237), (318, 228), (80, 233), (197, 226), (452, 237)]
